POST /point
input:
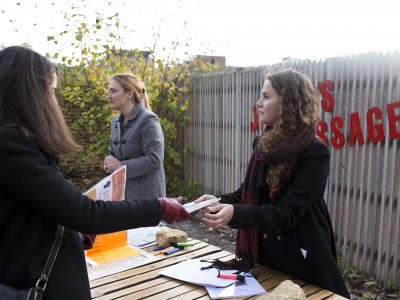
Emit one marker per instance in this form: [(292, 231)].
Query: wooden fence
[(363, 188)]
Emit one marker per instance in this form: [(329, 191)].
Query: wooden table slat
[(320, 294), (310, 289), (194, 294)]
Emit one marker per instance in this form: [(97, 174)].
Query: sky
[(246, 32)]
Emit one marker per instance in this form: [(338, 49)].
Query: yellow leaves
[(184, 107), (159, 63)]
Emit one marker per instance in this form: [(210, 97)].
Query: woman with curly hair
[(279, 211)]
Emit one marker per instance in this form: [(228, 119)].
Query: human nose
[(259, 103)]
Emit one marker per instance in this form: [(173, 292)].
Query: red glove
[(87, 240), (172, 211)]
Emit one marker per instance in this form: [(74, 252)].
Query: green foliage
[(390, 284), (84, 78), (188, 189)]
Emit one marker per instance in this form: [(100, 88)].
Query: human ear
[(131, 95)]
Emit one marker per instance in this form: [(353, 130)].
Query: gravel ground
[(359, 285)]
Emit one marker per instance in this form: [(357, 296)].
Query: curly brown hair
[(299, 111)]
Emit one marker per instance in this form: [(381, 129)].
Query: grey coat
[(139, 144)]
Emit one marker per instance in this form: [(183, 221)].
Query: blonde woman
[(279, 211), (137, 139)]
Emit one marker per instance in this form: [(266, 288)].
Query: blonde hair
[(131, 82)]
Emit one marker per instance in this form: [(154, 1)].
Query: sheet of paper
[(117, 253), (190, 271), (143, 236), (111, 187), (240, 289), (98, 270), (192, 206)]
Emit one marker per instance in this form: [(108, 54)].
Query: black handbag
[(35, 293)]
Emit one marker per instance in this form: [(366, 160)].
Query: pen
[(232, 276), (180, 244), (173, 250), (160, 248), (166, 249)]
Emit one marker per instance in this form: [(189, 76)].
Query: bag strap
[(44, 277)]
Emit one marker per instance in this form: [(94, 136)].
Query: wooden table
[(145, 283)]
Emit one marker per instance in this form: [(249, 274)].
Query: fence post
[(238, 125)]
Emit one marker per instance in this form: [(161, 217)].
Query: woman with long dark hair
[(34, 196)]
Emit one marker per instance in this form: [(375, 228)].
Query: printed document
[(111, 252), (240, 289)]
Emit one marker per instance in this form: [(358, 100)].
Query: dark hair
[(298, 101), (28, 102), (299, 107)]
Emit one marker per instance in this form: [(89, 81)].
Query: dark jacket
[(34, 198), (295, 231), (139, 144)]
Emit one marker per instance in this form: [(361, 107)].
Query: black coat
[(34, 198), (295, 231)]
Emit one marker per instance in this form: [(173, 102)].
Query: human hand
[(172, 211), (204, 198), (87, 240), (111, 164), (218, 215)]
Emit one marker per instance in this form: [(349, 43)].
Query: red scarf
[(247, 240)]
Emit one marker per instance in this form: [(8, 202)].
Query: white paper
[(240, 289), (193, 206), (100, 270), (143, 236), (190, 271)]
